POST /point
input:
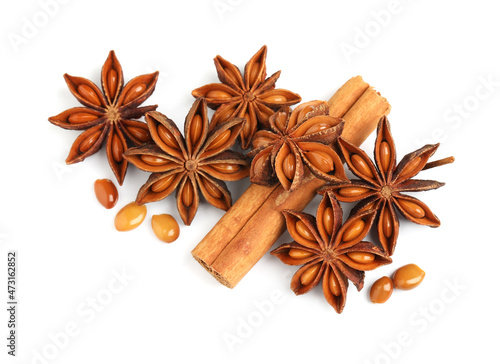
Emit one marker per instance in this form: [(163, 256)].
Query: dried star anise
[(329, 250), (108, 117), (252, 96), (298, 140), (198, 161), (382, 183)]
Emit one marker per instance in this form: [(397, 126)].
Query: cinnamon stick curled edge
[(253, 224)]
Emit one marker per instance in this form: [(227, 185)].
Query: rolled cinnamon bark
[(253, 224)]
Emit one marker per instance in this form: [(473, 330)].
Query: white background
[(429, 59)]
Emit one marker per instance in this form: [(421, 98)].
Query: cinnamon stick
[(254, 223)]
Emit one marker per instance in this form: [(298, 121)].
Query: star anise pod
[(381, 184), (108, 116), (330, 251), (252, 96), (199, 161), (298, 141)]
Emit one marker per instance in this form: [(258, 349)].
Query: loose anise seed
[(385, 155), (106, 192), (187, 194), (333, 284), (167, 137), (220, 140), (81, 117), (112, 78), (275, 99), (408, 277), (134, 92), (354, 230), (412, 208), (299, 253), (130, 216), (387, 223), (289, 166), (309, 274), (139, 133), (352, 191), (153, 160), (211, 189), (304, 231), (226, 168), (217, 94), (381, 290), (117, 148), (362, 257), (162, 184), (89, 94), (196, 128), (254, 72), (89, 141), (321, 160), (328, 220), (316, 128), (360, 164), (410, 167), (165, 227)]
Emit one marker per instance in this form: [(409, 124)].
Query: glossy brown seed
[(304, 231), (134, 92), (299, 253), (304, 111), (408, 277), (117, 148), (187, 194), (232, 76), (195, 129), (387, 223), (165, 227), (316, 128), (89, 141), (275, 99), (153, 160), (309, 274), (410, 167), (254, 73), (280, 121), (162, 184), (82, 117), (218, 94), (352, 191), (220, 140), (112, 79), (381, 290), (321, 160), (258, 163), (385, 155), (89, 94), (227, 168), (362, 257), (106, 192), (360, 165), (354, 230), (412, 208), (139, 133), (130, 216), (289, 166), (211, 189), (167, 137), (333, 284), (328, 220)]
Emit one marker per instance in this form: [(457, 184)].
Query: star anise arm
[(359, 162), (135, 131), (88, 143), (227, 166), (295, 254), (228, 73), (196, 127), (150, 158), (111, 78), (289, 166), (385, 150), (78, 118), (328, 217), (278, 97), (335, 286), (217, 94), (188, 198), (262, 171), (413, 163), (350, 191), (415, 210), (86, 92), (303, 229), (220, 139), (159, 186), (227, 111), (354, 229), (166, 135), (137, 90), (116, 144), (255, 70), (387, 226), (364, 256), (214, 191), (308, 276), (322, 161), (416, 185)]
